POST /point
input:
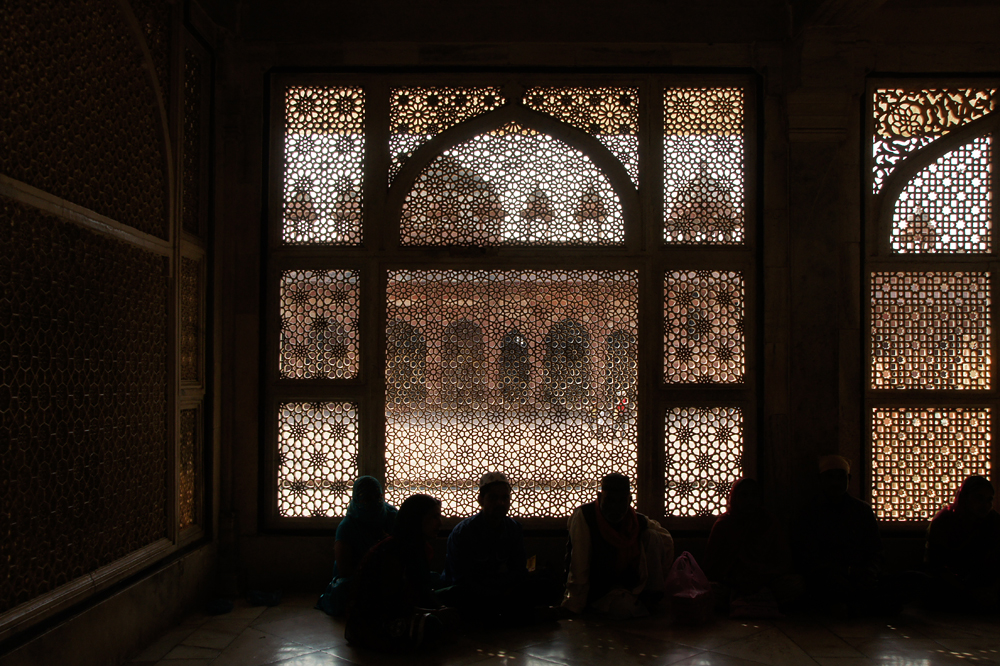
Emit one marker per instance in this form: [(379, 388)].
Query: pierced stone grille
[(189, 468), (921, 455), (512, 186), (946, 207), (319, 324), (611, 115), (703, 321), (191, 324), (77, 111), (191, 203), (704, 457), (531, 373), (416, 115), (317, 457), (324, 165), (930, 330), (704, 166), (83, 401), (153, 17), (907, 120)]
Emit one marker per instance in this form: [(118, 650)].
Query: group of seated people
[(618, 561)]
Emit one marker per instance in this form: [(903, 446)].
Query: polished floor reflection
[(294, 634)]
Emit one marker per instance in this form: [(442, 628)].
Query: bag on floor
[(689, 590)]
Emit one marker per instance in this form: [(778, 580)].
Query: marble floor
[(294, 634)]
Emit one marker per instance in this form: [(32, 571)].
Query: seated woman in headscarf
[(747, 556), (392, 605), (368, 520), (963, 549)]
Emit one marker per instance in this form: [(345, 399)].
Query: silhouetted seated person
[(392, 606), (367, 521), (486, 573), (747, 556), (963, 550), (617, 559), (838, 549)]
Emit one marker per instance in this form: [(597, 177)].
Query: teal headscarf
[(374, 513)]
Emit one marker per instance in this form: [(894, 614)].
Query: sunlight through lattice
[(704, 456), (930, 330), (532, 373), (946, 207), (907, 120), (324, 165), (317, 457), (611, 115), (921, 455), (704, 166), (416, 115), (319, 324), (703, 317), (512, 186)]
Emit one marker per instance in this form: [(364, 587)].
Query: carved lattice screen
[(931, 310), (704, 166), (516, 298), (512, 186), (324, 165), (704, 456), (525, 372), (909, 119), (418, 114), (922, 455), (83, 361)]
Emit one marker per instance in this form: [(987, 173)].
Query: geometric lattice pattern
[(907, 120), (189, 469), (704, 456), (317, 457), (512, 186), (703, 334), (83, 401), (79, 116), (930, 330), (324, 165), (153, 17), (611, 115), (946, 207), (704, 171), (527, 372), (191, 175), (191, 324), (416, 115), (319, 324), (921, 456)]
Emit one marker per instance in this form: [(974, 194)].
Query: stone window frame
[(878, 256), (644, 249)]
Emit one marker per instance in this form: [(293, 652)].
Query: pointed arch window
[(931, 394)]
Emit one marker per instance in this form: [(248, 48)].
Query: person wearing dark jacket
[(486, 573), (838, 549)]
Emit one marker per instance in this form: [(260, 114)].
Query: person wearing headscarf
[(963, 550), (838, 549), (486, 573), (392, 606), (617, 559), (367, 521), (747, 556)]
